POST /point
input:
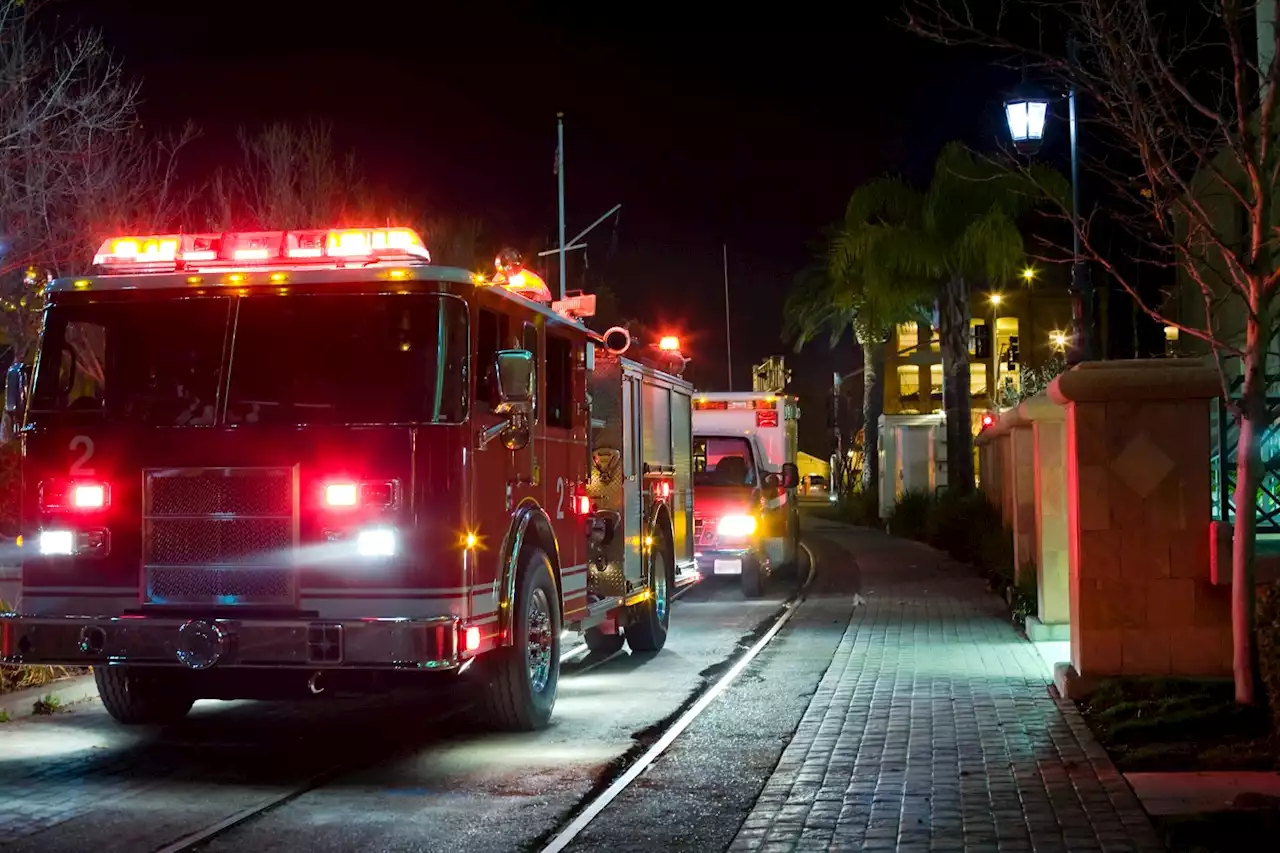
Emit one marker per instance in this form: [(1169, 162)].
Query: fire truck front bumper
[(159, 640)]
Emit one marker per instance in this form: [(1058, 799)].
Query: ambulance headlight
[(376, 542), (736, 525)]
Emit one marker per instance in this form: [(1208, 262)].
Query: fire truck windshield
[(299, 359)]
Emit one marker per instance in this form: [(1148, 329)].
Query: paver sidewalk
[(934, 730)]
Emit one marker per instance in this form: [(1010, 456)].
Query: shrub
[(910, 516), (10, 488), (862, 508)]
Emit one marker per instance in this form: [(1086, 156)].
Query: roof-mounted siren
[(510, 273), (617, 340)]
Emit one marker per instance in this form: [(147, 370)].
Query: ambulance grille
[(220, 536)]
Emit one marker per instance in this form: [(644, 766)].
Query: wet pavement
[(76, 781)]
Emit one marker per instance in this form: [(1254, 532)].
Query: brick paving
[(934, 730)]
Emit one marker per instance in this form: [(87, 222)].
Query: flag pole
[(728, 345), (560, 181)]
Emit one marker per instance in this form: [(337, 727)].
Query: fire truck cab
[(299, 462)]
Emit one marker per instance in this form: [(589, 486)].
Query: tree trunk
[(872, 407), (1253, 422), (953, 330)]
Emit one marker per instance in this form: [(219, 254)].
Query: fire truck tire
[(139, 696), (647, 631), (752, 579), (519, 691), (600, 643)]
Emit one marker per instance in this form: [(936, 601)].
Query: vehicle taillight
[(74, 495), (367, 494)]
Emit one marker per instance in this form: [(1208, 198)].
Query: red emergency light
[(988, 420), (241, 250)]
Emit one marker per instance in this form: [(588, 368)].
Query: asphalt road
[(76, 781)]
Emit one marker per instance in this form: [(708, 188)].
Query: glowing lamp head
[(997, 298), (1026, 114), (1058, 339), (1029, 274), (669, 343)]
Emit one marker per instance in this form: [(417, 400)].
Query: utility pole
[(560, 180)]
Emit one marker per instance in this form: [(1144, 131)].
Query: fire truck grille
[(220, 536)]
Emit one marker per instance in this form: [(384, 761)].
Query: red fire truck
[(258, 464)]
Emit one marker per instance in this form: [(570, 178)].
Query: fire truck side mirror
[(15, 389), (515, 380)]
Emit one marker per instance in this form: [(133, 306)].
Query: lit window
[(908, 337), (935, 379), (977, 380), (935, 340), (974, 324), (908, 380)]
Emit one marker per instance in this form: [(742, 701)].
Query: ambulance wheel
[(752, 578), (600, 643), (519, 692), (651, 617), (136, 696)]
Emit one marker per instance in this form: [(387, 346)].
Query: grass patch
[(47, 705), (1170, 724)]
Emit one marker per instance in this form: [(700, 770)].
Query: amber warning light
[(242, 250), (669, 343)]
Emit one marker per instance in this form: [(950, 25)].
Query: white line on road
[(600, 803)]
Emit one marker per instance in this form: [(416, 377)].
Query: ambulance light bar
[(702, 403), (318, 247)]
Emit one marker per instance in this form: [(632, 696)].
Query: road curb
[(65, 691)]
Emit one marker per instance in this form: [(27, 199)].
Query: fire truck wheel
[(600, 643), (648, 629), (140, 696), (752, 578), (520, 690)]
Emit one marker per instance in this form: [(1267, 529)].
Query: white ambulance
[(746, 522)]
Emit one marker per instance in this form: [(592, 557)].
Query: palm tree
[(963, 228), (834, 296)]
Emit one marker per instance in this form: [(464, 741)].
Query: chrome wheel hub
[(540, 643)]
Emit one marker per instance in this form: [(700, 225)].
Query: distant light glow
[(669, 343)]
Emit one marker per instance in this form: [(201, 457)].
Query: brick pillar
[(1053, 589), (1141, 598)]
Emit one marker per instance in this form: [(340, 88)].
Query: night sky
[(738, 128)]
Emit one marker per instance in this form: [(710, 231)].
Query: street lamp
[(996, 298), (1026, 112)]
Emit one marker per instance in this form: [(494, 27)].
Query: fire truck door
[(564, 461), (500, 478)]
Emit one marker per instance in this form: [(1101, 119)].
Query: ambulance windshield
[(723, 462), (325, 359)]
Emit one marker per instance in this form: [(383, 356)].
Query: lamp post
[(1026, 112), (993, 390)]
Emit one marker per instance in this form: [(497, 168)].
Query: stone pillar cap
[(1135, 380)]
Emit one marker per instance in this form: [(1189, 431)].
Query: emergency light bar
[(727, 405), (320, 247)]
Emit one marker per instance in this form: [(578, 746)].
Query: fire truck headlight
[(736, 525), (57, 543), (376, 542)]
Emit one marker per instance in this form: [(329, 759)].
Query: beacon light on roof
[(240, 250), (511, 274), (669, 343)]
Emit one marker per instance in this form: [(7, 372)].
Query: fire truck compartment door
[(632, 497)]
